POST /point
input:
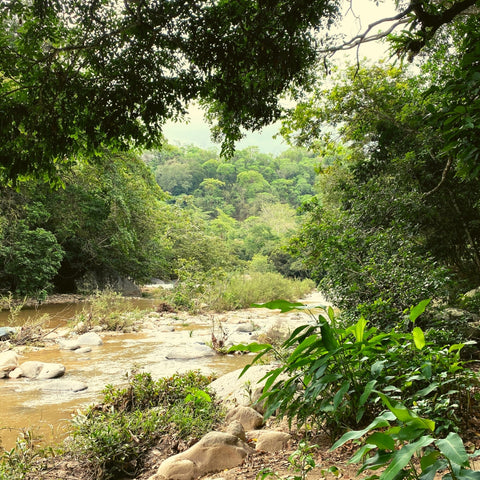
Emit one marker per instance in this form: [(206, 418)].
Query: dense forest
[(110, 219), (377, 203)]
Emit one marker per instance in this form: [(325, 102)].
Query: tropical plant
[(112, 438), (403, 445), (328, 374)]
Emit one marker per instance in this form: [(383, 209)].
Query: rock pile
[(243, 435)]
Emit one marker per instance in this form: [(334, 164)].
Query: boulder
[(215, 452), (7, 332), (269, 440), (8, 362), (89, 338), (83, 350), (245, 390), (248, 417), (189, 352), (40, 370), (236, 428), (72, 386), (68, 344)]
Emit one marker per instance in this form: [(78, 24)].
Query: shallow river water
[(38, 405)]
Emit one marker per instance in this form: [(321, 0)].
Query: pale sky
[(197, 132)]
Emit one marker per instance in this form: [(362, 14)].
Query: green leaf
[(359, 329), (453, 449), (376, 461), (282, 305), (402, 457), (418, 309), (425, 391), (339, 395), (403, 414), (307, 342), (379, 422), (366, 393), (465, 474), (251, 347), (328, 337), (382, 441), (429, 459), (418, 338)]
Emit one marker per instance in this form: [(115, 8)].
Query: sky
[(197, 132)]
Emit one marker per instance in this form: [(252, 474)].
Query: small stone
[(83, 350)]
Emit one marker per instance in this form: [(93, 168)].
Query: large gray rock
[(215, 452), (189, 352), (70, 344), (39, 370), (89, 338), (269, 440), (64, 386), (245, 390)]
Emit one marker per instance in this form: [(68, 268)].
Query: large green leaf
[(406, 416), (282, 305), (359, 329), (418, 309), (382, 441), (340, 394), (453, 449), (402, 457), (379, 422), (328, 337), (306, 343), (418, 338)]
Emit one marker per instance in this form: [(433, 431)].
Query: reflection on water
[(28, 404)]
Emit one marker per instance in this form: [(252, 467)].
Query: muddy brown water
[(34, 405)]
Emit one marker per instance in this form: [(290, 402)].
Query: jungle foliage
[(79, 76), (396, 220)]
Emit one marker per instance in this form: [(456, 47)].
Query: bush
[(215, 290), (242, 290), (330, 375), (113, 437), (107, 309)]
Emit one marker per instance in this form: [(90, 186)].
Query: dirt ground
[(60, 468)]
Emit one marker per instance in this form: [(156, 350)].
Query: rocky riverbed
[(43, 386)]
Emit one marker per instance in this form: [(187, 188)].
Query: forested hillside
[(111, 220)]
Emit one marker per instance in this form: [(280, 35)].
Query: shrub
[(404, 438), (242, 290), (114, 436), (329, 374), (107, 309), (215, 290)]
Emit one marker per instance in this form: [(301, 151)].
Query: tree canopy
[(76, 76)]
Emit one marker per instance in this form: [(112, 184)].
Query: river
[(162, 347)]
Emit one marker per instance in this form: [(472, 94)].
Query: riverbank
[(228, 328), (161, 343)]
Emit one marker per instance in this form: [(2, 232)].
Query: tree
[(76, 76), (392, 223)]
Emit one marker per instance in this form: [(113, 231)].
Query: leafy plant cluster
[(106, 309), (112, 438), (404, 445), (20, 461), (332, 377), (218, 290)]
